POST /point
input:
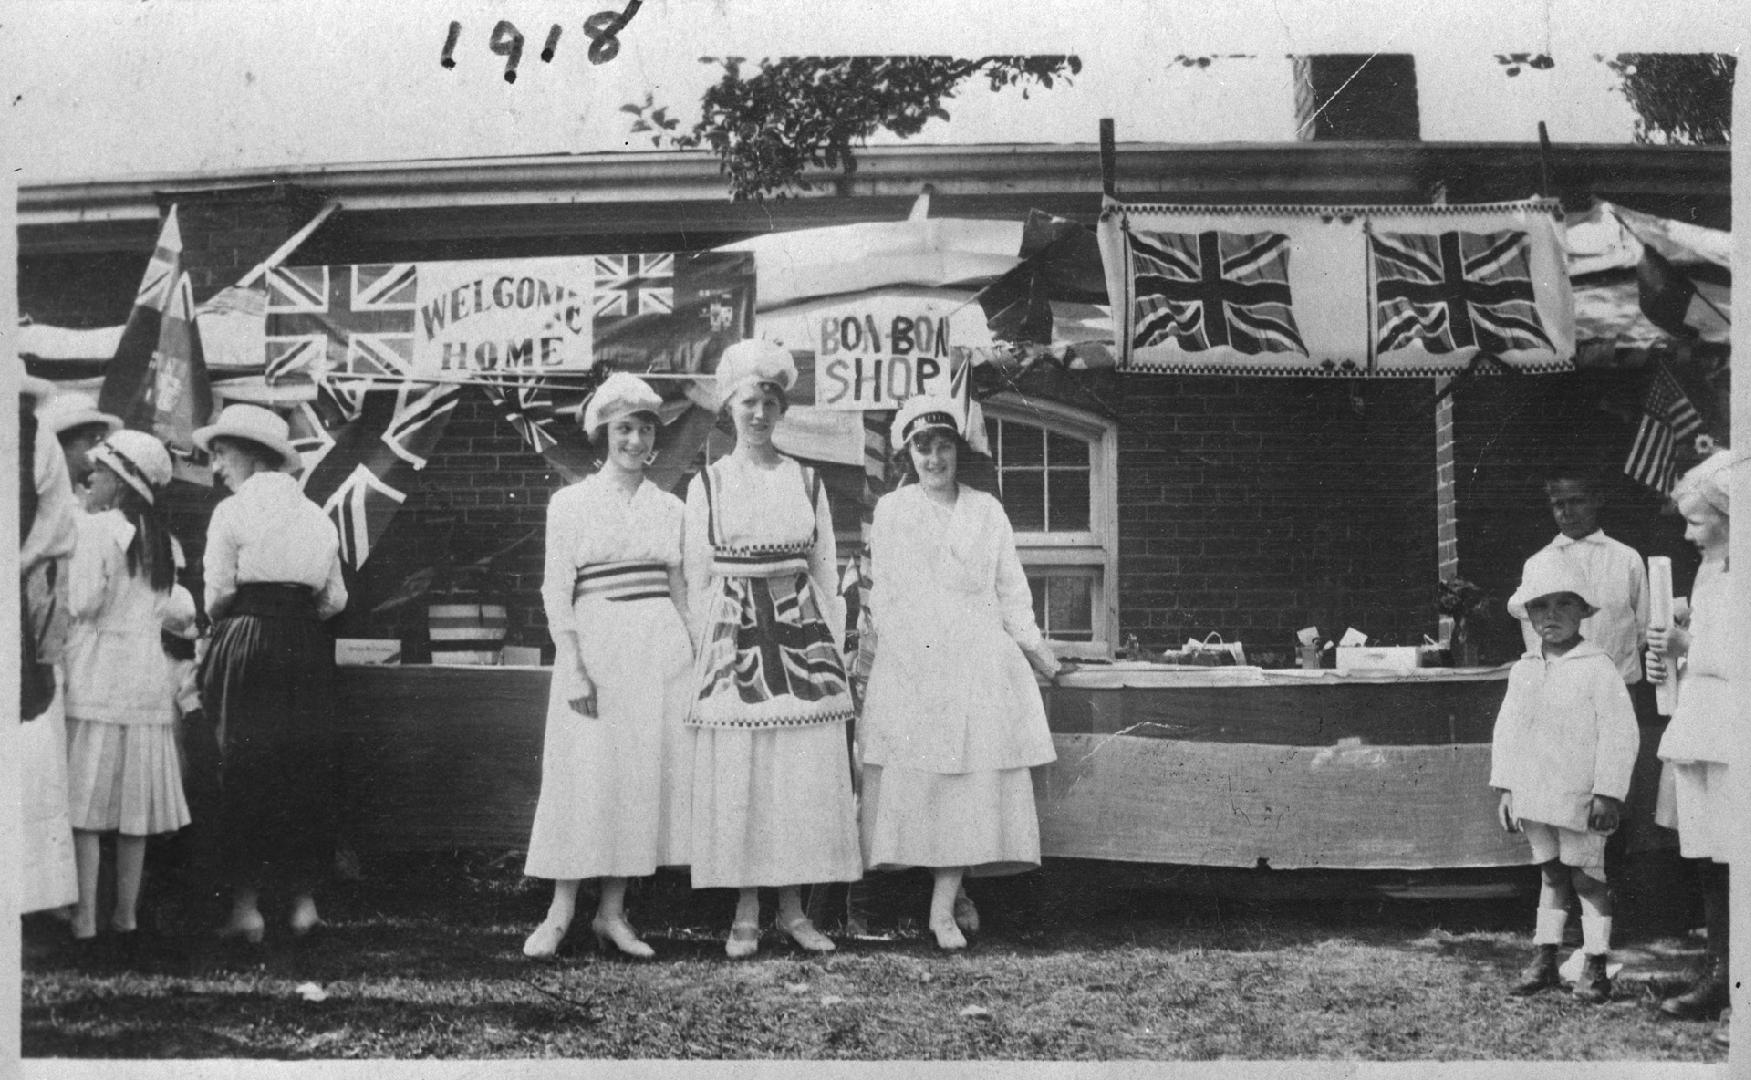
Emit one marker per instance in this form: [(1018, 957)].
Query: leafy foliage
[(771, 124), (1679, 98)]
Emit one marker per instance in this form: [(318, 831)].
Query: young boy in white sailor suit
[(1565, 743)]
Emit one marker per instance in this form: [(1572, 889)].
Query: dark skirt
[(268, 689)]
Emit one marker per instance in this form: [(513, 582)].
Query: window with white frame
[(1057, 467)]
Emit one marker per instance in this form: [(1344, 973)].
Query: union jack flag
[(360, 449), (634, 285), (1454, 290), (1667, 416), (1210, 290), (341, 320)]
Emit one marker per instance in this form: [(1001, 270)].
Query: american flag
[(1210, 290), (1454, 290), (1667, 416)]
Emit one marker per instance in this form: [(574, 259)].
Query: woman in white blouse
[(953, 721), (617, 764), (772, 802), (272, 575)]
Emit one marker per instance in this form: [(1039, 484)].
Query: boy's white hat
[(70, 409), (921, 413), (754, 360), (138, 459), (252, 423), (1708, 483), (619, 395), (1548, 572)]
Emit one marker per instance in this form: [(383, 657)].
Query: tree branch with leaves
[(770, 124)]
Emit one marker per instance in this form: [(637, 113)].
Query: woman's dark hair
[(149, 553), (909, 473), (268, 460), (599, 437)]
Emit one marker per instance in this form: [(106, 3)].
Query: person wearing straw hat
[(772, 800), (48, 529), (616, 765), (124, 776), (1702, 742), (273, 576), (953, 721), (76, 421)]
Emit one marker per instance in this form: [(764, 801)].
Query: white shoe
[(619, 933), (803, 932), (543, 942), (744, 941)]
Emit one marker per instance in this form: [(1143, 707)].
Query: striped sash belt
[(734, 562), (631, 580)]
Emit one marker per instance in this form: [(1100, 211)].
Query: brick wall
[(1254, 507), (1509, 431)]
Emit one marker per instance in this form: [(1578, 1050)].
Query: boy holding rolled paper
[(1564, 745)]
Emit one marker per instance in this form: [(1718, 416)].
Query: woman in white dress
[(953, 721), (772, 800), (123, 775), (616, 767)]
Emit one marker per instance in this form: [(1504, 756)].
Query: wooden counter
[(1214, 767)]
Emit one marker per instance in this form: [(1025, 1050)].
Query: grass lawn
[(1077, 961)]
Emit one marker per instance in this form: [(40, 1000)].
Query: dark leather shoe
[(1538, 975), (1705, 998), (1594, 985)]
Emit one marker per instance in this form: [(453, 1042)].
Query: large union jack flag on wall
[(1454, 290), (1338, 290), (1211, 290)]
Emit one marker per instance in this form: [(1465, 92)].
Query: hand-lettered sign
[(875, 351)]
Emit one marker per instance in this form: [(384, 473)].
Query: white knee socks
[(1550, 926)]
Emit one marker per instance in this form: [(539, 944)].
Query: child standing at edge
[(1699, 744), (1564, 745)]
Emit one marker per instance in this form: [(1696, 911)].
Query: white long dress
[(1701, 742), (615, 789), (772, 800), (953, 722)]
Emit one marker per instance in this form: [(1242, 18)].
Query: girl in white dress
[(953, 721), (772, 801), (122, 768), (616, 767), (1700, 744)]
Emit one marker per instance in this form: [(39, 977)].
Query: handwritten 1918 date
[(602, 28)]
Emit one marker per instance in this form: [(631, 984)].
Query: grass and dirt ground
[(1078, 961)]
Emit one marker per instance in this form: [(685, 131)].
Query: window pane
[(1023, 446), (1064, 450), (1069, 505), (1067, 603), (1024, 499)]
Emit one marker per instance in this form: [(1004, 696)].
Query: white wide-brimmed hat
[(139, 459), (921, 413), (252, 423), (754, 360), (620, 395), (70, 409), (1546, 573)]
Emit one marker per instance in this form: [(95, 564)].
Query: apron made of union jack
[(768, 659)]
